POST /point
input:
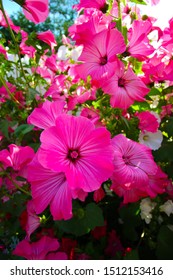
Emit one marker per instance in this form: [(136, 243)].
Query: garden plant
[(86, 135)]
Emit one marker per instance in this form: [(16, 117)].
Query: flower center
[(103, 60), (121, 82), (73, 154), (126, 160), (146, 137)]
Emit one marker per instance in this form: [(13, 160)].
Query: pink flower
[(3, 51), (20, 156), (154, 2), (124, 87), (97, 4), (99, 55), (4, 23), (74, 146), (148, 121), (5, 158), (4, 93), (50, 188), (139, 46), (47, 37), (88, 24), (45, 116), (24, 48), (129, 191), (36, 10), (36, 250), (92, 114), (133, 164), (99, 195), (33, 221), (157, 183)]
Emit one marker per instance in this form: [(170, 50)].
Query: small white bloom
[(62, 52), (76, 52), (151, 140), (146, 206), (167, 207), (25, 59), (155, 102)]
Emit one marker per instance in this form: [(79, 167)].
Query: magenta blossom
[(97, 4), (36, 11), (88, 24), (139, 46), (157, 183), (36, 250), (48, 37), (45, 116), (148, 121), (4, 23), (20, 156), (124, 87), (3, 51), (33, 221), (74, 146), (24, 48), (50, 188), (99, 55), (133, 165)]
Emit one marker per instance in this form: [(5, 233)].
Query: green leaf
[(130, 213), (138, 2), (22, 129), (31, 95), (94, 216), (83, 224), (165, 244), (169, 126), (154, 91), (165, 152), (168, 90), (4, 124), (132, 255), (141, 106)]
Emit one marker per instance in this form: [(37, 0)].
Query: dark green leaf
[(23, 129), (138, 2), (4, 124), (164, 249), (154, 91), (82, 224), (132, 255)]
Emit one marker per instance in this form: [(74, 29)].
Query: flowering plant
[(86, 136)]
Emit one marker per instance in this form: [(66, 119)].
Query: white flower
[(167, 207), (146, 206), (151, 140), (62, 52), (76, 52)]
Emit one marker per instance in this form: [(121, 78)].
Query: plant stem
[(9, 92), (13, 38), (17, 186), (119, 14)]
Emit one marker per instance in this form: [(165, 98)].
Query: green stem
[(119, 13), (17, 186), (14, 183), (8, 90), (13, 38)]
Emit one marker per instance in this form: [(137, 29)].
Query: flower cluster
[(86, 135)]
